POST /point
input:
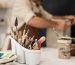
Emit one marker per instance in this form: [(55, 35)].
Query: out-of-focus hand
[(71, 18), (62, 24)]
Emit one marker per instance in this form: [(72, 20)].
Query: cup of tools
[(64, 46), (24, 55), (26, 47)]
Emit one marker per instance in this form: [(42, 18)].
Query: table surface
[(49, 56)]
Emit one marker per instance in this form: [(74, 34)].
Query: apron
[(61, 8)]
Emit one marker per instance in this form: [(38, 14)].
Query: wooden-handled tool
[(16, 23)]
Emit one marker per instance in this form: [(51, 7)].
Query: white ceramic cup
[(13, 45), (32, 57), (18, 50), (20, 54)]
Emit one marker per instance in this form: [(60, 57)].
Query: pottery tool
[(16, 31), (35, 45), (29, 42), (24, 39), (41, 40), (12, 32), (16, 23)]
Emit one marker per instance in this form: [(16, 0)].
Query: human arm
[(24, 11), (42, 23)]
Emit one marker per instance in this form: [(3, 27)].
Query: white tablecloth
[(49, 56)]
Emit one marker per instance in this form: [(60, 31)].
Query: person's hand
[(71, 18), (62, 24)]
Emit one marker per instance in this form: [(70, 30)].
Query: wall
[(5, 14)]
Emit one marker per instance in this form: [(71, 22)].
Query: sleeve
[(23, 9)]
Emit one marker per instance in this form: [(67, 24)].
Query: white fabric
[(23, 10)]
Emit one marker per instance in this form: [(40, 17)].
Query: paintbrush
[(20, 37), (16, 23), (24, 39), (24, 31), (20, 34), (12, 32), (35, 45), (16, 32), (29, 42)]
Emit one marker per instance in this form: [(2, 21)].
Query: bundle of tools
[(26, 41)]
